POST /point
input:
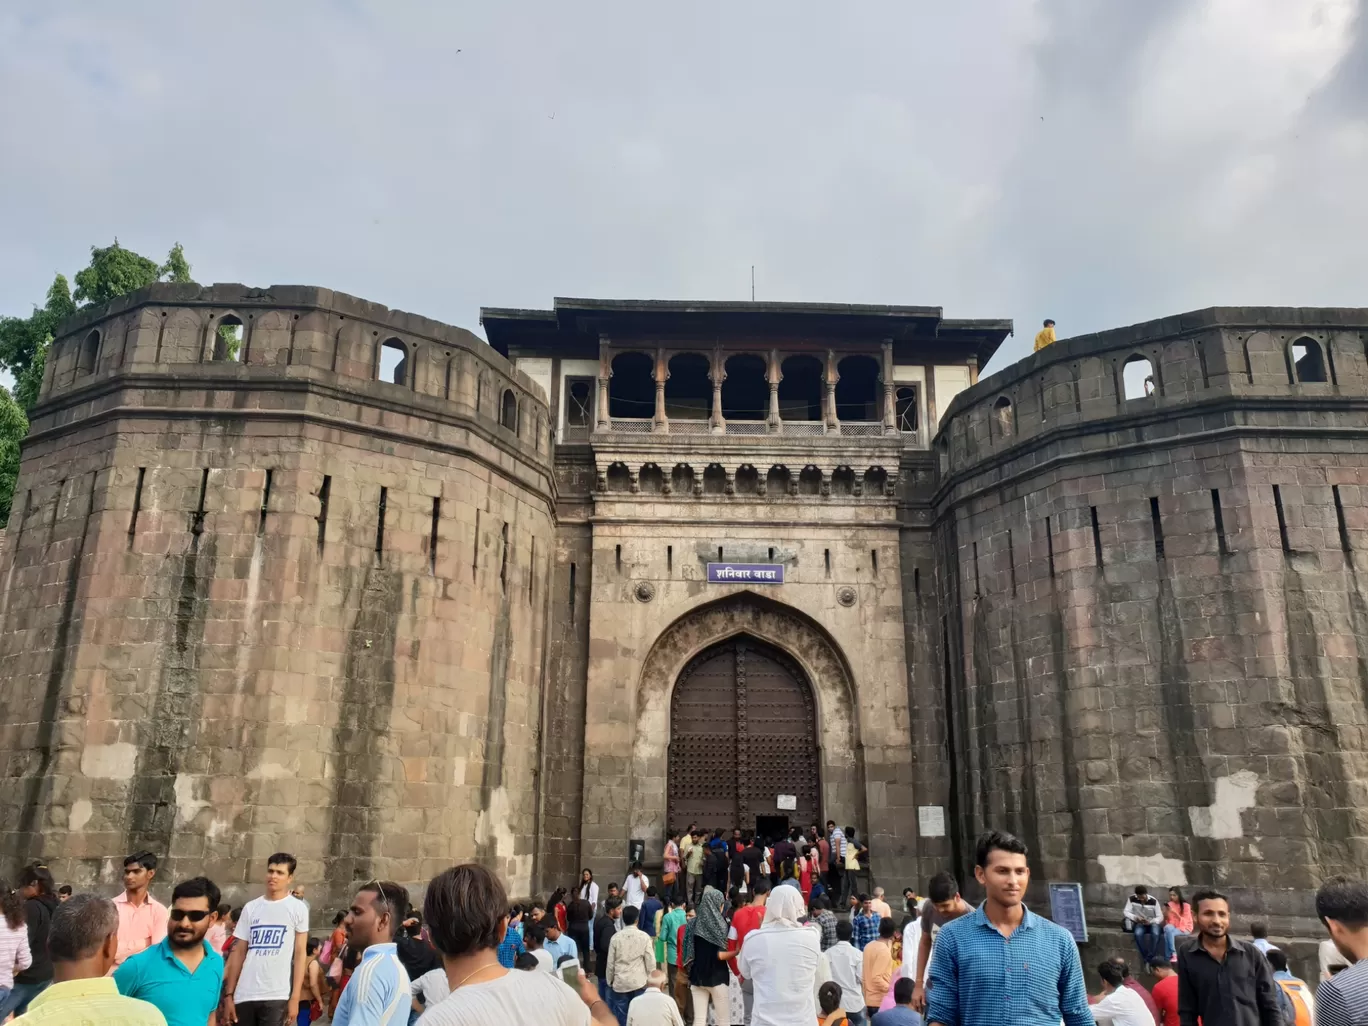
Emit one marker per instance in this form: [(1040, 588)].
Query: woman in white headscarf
[(783, 960)]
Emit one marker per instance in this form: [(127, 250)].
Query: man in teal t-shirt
[(183, 975), (669, 926)]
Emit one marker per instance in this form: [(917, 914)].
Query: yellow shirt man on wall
[(1045, 336)]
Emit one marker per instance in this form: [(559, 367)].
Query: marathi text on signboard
[(1066, 909), (931, 820), (745, 573)]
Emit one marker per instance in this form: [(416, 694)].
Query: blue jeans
[(1171, 933), (17, 1000), (619, 1000), (1149, 938)]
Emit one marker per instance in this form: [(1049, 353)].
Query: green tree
[(24, 341), (13, 428), (177, 268), (114, 271)]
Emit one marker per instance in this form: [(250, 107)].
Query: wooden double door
[(742, 732)]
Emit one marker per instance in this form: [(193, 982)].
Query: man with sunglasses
[(182, 975)]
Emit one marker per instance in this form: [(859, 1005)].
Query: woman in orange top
[(1177, 922)]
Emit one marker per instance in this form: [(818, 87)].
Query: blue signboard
[(1066, 909), (745, 573)]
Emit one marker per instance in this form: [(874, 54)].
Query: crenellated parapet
[(208, 346)]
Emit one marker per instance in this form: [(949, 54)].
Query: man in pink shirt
[(142, 918)]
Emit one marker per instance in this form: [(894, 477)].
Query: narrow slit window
[(617, 557), (1339, 518), (475, 549), (1282, 519), (503, 557), (572, 593), (1222, 546), (916, 580), (137, 506), (323, 494), (1158, 528), (432, 534), (1049, 546), (265, 503), (771, 554), (531, 570), (197, 521), (826, 556), (977, 584), (380, 522), (669, 559), (1097, 537), (1011, 560), (873, 560)]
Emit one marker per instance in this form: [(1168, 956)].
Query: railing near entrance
[(795, 428)]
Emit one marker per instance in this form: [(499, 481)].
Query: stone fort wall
[(273, 602), (1154, 627)]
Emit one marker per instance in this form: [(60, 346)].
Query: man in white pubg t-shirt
[(265, 971)]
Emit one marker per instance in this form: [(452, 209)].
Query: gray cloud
[(1190, 153)]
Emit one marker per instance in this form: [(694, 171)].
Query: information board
[(1066, 909), (931, 820)]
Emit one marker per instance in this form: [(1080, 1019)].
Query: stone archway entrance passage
[(742, 733)]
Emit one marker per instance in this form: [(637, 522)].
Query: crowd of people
[(766, 948)]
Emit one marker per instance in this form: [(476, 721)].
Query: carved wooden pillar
[(718, 374), (774, 377), (829, 400), (662, 374), (890, 399), (605, 372)]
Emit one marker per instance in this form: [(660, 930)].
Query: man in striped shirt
[(1342, 904), (836, 837), (378, 993)]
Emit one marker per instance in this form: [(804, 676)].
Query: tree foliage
[(13, 428), (24, 341)]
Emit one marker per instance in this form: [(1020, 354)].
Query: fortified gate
[(287, 569)]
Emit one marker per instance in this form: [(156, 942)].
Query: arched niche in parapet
[(1002, 427), (688, 390), (810, 481), (182, 337), (271, 338), (875, 481), (1060, 388), (801, 388), (1183, 369), (619, 478), (508, 410), (682, 479), (651, 479), (1265, 362), (1097, 381), (778, 481), (227, 338), (745, 392), (1307, 362), (747, 480), (843, 481), (393, 363), (631, 389), (1137, 378), (858, 391), (88, 355), (1348, 351), (714, 479)]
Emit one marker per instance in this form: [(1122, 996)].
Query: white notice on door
[(787, 802), (931, 820)]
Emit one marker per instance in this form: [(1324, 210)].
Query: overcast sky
[(1097, 161)]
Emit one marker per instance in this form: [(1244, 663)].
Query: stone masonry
[(393, 615)]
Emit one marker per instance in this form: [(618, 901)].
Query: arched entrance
[(743, 731)]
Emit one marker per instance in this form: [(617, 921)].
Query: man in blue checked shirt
[(1003, 965), (864, 923)]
